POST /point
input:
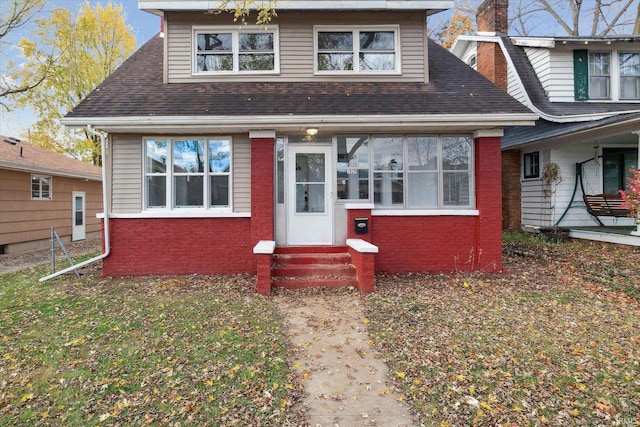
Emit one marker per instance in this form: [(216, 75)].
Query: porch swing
[(611, 205)]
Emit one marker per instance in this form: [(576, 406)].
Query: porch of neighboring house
[(622, 235)]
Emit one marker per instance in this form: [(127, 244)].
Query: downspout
[(107, 243)]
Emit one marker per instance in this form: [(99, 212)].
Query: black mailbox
[(361, 225)]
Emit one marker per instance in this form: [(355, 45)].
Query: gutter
[(107, 242)]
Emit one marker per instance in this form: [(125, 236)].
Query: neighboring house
[(337, 125), (586, 91), (40, 189)]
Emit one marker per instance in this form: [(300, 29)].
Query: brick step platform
[(308, 267)]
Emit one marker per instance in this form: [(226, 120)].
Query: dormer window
[(629, 75), (599, 75), (229, 50), (342, 50)]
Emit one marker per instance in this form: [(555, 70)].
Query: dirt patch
[(345, 380), (15, 262)]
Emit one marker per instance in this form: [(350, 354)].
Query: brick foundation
[(179, 246)]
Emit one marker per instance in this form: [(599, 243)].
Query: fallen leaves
[(553, 342)]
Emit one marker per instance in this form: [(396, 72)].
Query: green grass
[(190, 350)]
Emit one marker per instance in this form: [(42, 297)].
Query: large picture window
[(232, 50), (426, 171), (188, 173), (616, 165), (360, 50)]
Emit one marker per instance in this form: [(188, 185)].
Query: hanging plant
[(551, 174)]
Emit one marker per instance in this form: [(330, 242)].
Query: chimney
[(493, 19)]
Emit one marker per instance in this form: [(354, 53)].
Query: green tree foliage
[(241, 10), (89, 47)]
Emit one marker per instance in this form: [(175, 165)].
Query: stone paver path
[(345, 382)]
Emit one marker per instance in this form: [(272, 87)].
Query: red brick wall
[(179, 246), (511, 191), (352, 214), (489, 203), (262, 209), (448, 243), (424, 243)]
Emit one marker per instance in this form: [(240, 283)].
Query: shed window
[(40, 187)]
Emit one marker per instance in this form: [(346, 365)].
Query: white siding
[(539, 59), (561, 84), (126, 188), (296, 45), (545, 208), (514, 88), (127, 161)]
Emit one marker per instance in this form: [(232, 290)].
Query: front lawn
[(186, 350), (556, 341)]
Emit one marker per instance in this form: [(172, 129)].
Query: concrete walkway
[(345, 382)]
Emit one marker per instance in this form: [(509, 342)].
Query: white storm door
[(310, 201), (79, 216)]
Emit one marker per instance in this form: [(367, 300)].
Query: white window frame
[(612, 68), (235, 31), (355, 31), (170, 196), (40, 178), (404, 207), (620, 76)]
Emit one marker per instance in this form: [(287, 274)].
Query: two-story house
[(337, 127), (586, 91)]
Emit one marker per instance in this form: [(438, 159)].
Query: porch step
[(308, 267)]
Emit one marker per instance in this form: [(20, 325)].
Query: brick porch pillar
[(262, 169), (488, 199)]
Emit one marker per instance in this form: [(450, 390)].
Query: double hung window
[(599, 75), (232, 50), (361, 50), (40, 187), (188, 173), (629, 75), (422, 171)]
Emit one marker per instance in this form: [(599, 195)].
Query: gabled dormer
[(331, 40)]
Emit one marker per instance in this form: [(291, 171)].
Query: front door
[(309, 201), (78, 221)]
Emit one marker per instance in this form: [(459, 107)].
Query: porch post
[(262, 170), (637, 230), (488, 199)]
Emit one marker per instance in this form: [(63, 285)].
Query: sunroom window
[(232, 50), (412, 171), (630, 76), (362, 50), (188, 173)]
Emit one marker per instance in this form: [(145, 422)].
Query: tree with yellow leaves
[(89, 46)]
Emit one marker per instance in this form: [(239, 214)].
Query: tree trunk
[(636, 26)]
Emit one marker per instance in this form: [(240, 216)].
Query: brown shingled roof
[(23, 156), (136, 88)]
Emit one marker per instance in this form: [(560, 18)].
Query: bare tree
[(15, 14), (573, 17)]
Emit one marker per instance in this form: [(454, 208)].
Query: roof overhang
[(20, 167), (233, 124), (431, 6), (588, 135)]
